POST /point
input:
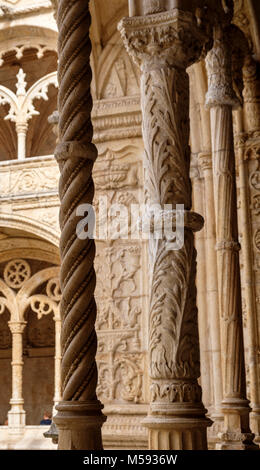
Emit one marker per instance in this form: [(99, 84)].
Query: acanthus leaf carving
[(167, 38), (173, 315)]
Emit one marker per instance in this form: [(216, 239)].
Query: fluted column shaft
[(79, 417), (16, 416), (221, 99), (177, 417)]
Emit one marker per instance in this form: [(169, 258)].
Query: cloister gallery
[(127, 343)]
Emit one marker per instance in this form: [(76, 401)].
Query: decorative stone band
[(181, 392), (16, 401), (245, 438), (170, 38), (171, 220), (75, 150), (228, 246)]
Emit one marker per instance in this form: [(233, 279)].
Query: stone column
[(248, 137), (201, 284), (221, 100), (21, 129), (16, 415), (79, 417), (205, 162), (164, 44), (57, 362)]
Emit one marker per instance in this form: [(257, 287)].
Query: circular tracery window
[(16, 273)]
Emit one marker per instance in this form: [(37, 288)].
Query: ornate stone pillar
[(16, 415), (79, 417), (164, 44), (205, 163), (221, 100)]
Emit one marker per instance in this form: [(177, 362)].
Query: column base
[(236, 441), (79, 425), (255, 423), (237, 434), (16, 419), (215, 429), (168, 433)]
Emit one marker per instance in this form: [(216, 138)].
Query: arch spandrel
[(31, 226)]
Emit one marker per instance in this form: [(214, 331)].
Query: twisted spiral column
[(79, 417)]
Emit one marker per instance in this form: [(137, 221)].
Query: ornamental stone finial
[(21, 83)]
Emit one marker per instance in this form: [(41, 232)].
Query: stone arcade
[(128, 344)]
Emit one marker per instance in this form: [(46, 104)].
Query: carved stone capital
[(170, 38), (219, 68), (17, 327)]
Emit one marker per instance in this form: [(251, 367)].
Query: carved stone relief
[(119, 292), (123, 79)]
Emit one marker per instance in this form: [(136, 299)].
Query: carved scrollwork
[(105, 385), (16, 273), (41, 305), (53, 289), (123, 381), (128, 377), (256, 204), (255, 180), (257, 240)]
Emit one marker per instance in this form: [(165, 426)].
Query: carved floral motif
[(16, 273)]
